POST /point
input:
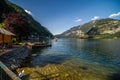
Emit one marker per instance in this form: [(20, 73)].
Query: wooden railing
[(6, 74)]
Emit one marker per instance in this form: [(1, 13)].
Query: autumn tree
[(17, 24)]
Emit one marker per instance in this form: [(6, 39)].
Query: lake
[(76, 59)]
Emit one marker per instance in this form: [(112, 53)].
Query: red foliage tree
[(17, 24)]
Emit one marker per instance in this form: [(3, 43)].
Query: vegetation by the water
[(107, 36), (16, 20)]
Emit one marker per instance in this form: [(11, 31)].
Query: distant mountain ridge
[(7, 7), (103, 28)]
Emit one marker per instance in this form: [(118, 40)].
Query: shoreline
[(14, 58)]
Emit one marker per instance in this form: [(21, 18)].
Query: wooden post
[(3, 39), (11, 42)]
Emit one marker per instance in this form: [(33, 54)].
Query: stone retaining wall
[(15, 58)]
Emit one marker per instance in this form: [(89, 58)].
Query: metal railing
[(6, 74)]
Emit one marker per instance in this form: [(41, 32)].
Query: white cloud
[(29, 12), (95, 18), (114, 15), (78, 20), (11, 1)]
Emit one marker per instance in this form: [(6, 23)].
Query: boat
[(55, 39)]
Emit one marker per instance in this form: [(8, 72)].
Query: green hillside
[(7, 8), (99, 29)]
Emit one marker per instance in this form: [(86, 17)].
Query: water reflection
[(43, 60), (77, 59), (101, 51)]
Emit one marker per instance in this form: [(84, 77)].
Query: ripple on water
[(76, 60)]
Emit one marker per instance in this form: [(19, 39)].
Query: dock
[(38, 45)]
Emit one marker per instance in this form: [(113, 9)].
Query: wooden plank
[(9, 72)]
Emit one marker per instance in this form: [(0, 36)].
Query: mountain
[(99, 29), (7, 9)]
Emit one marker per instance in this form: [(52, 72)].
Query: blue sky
[(61, 15)]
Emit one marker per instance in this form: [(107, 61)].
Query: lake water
[(77, 59)]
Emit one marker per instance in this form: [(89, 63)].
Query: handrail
[(12, 75)]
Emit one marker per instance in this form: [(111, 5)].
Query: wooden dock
[(37, 45)]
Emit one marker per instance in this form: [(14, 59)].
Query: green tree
[(2, 25)]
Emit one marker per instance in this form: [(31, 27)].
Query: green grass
[(107, 36)]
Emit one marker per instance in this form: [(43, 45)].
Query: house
[(5, 38)]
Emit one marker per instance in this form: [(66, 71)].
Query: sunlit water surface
[(76, 59)]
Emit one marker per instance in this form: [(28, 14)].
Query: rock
[(34, 55), (15, 58), (67, 75), (55, 75)]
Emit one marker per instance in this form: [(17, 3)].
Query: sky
[(61, 15)]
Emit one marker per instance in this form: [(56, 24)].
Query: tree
[(17, 25), (1, 25)]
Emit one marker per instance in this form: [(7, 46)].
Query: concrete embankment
[(15, 58)]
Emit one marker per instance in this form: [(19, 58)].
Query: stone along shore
[(15, 58)]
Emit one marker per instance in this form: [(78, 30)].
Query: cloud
[(114, 15), (29, 12), (11, 0), (78, 20), (95, 18)]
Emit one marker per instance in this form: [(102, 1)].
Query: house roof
[(3, 31)]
